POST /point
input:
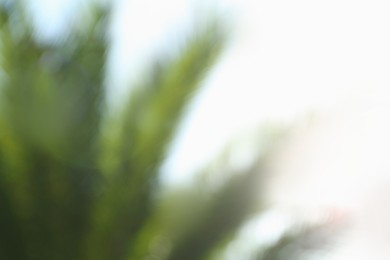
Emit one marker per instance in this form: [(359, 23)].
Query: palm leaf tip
[(148, 124)]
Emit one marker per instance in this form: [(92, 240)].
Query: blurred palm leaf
[(75, 184)]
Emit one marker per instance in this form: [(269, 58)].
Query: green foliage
[(77, 182), (298, 242)]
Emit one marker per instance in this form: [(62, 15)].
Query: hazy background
[(287, 63)]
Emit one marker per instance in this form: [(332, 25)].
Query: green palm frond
[(77, 182)]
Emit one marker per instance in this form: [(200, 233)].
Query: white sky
[(289, 57)]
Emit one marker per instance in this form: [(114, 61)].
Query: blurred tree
[(79, 183)]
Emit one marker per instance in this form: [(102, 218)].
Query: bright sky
[(289, 57)]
